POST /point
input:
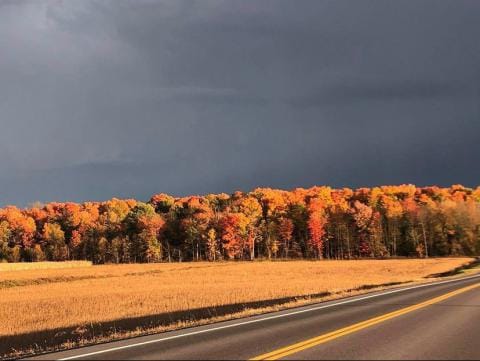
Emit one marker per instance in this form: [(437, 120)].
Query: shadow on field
[(458, 270)]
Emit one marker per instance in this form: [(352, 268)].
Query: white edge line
[(266, 318)]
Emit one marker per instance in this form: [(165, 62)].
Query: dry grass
[(42, 265), (33, 302)]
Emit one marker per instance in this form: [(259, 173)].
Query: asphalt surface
[(446, 329)]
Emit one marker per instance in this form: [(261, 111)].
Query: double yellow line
[(300, 346)]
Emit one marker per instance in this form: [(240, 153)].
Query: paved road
[(435, 321)]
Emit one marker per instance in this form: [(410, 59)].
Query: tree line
[(314, 223)]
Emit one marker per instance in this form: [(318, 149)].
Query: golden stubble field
[(37, 300)]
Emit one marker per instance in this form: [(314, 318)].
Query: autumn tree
[(143, 228), (212, 245), (54, 238), (111, 217), (5, 236), (233, 227), (22, 230), (285, 232), (298, 213), (339, 227), (363, 216), (316, 226), (251, 209)]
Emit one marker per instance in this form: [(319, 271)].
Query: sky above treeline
[(130, 98)]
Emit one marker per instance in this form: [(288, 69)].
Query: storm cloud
[(130, 98)]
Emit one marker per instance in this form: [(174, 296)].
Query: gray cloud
[(128, 98), (341, 94)]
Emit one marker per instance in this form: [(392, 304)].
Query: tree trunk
[(425, 245)]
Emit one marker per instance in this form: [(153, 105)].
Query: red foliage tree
[(316, 226)]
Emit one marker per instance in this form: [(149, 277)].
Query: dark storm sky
[(131, 98)]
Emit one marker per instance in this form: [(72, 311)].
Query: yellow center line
[(300, 346)]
